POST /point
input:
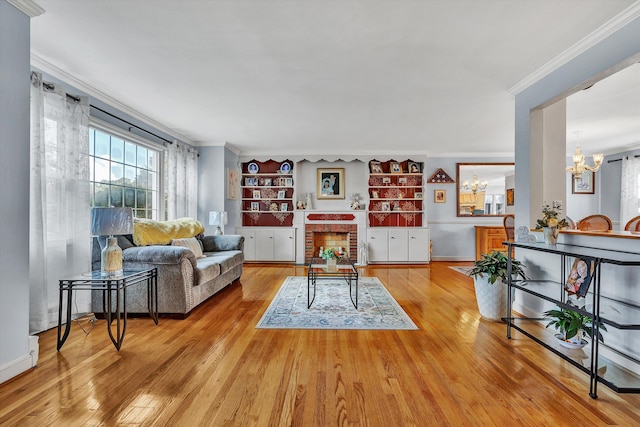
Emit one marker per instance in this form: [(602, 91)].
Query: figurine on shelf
[(355, 201), (309, 206), (301, 205)]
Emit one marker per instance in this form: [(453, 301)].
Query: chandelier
[(475, 185), (579, 167)]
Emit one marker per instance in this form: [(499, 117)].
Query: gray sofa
[(183, 281)]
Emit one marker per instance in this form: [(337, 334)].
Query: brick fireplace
[(330, 230)]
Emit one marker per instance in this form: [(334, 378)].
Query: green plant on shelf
[(570, 323)]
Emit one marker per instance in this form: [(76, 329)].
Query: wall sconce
[(579, 167), (475, 185), (218, 218)]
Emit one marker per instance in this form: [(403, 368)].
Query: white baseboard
[(23, 363), (451, 258)]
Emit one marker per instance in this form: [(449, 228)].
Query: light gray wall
[(211, 184), (453, 237), (613, 50), (14, 191)]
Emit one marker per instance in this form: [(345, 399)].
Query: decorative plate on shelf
[(253, 167), (285, 167), (570, 344)]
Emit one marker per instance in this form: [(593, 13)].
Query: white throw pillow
[(190, 243)]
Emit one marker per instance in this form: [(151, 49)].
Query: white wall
[(14, 193)]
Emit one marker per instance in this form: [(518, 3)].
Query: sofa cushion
[(206, 269), (148, 232), (190, 243), (227, 259)]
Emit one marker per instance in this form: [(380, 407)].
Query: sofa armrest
[(223, 242), (159, 255)]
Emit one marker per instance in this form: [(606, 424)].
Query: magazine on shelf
[(580, 277)]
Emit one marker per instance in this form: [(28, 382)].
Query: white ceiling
[(316, 77)]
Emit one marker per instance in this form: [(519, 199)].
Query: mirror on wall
[(481, 189)]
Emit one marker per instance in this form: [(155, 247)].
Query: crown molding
[(605, 30), (92, 92), (28, 7)]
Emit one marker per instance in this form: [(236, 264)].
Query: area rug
[(332, 308), (464, 269)]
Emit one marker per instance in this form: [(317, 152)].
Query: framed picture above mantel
[(330, 183)]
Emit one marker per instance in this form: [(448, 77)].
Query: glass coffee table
[(319, 270)]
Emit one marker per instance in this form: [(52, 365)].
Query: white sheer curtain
[(630, 183), (59, 198), (181, 179)]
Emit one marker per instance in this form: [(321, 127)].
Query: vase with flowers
[(331, 255), (550, 221)]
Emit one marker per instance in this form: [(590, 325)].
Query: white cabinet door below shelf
[(398, 247), (418, 245), (249, 243), (264, 245), (378, 245), (284, 245)]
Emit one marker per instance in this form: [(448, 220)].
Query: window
[(124, 174)]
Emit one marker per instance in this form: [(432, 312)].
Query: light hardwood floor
[(214, 368)]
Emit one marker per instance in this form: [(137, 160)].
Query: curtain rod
[(619, 160), (131, 124)]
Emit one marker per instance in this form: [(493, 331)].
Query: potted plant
[(572, 327), (550, 223), (490, 281), (332, 255)]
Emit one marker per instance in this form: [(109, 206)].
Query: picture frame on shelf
[(584, 184), (395, 167), (255, 206), (386, 180), (386, 207), (282, 182), (439, 196), (330, 183), (284, 207), (282, 194), (267, 182), (251, 182), (374, 194), (288, 182), (402, 180), (510, 196), (256, 194), (414, 167), (375, 167), (417, 195)]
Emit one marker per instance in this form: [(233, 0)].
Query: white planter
[(491, 298)]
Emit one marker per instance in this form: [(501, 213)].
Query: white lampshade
[(218, 218), (111, 222)]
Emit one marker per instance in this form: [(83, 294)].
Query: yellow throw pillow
[(189, 243)]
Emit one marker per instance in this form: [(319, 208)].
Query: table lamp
[(218, 218), (111, 222)]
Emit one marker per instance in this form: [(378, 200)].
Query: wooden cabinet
[(395, 194), (489, 238), (269, 244), (398, 245)]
